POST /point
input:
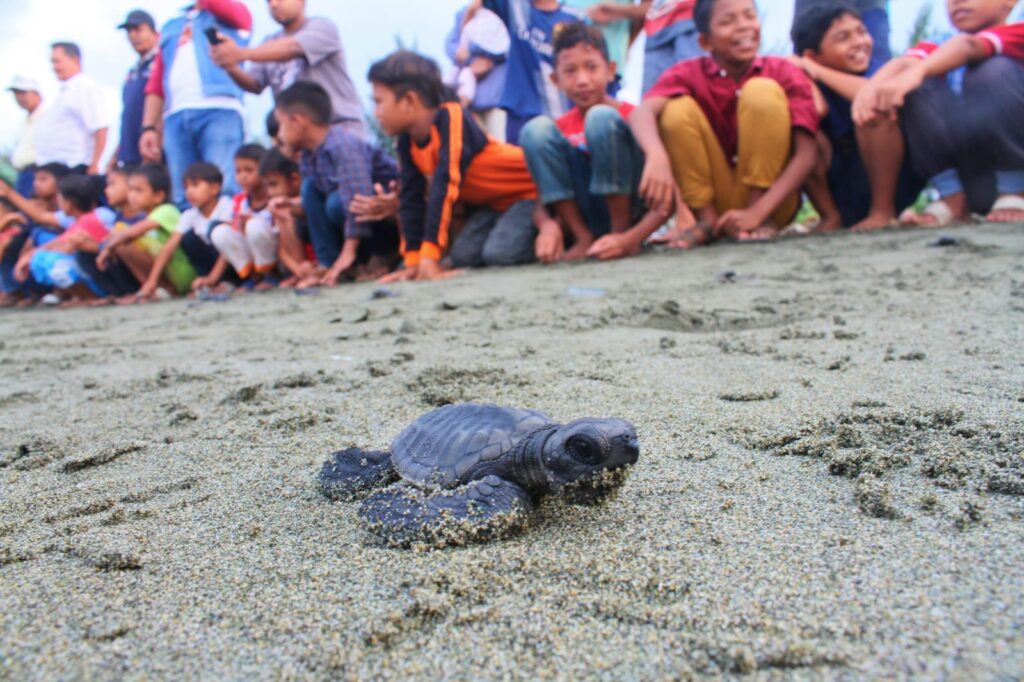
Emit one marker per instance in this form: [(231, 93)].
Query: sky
[(369, 30)]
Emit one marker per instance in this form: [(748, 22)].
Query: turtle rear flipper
[(350, 473), (480, 510)]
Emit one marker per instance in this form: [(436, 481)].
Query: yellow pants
[(765, 146)]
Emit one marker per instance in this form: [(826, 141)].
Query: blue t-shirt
[(133, 97), (531, 59)]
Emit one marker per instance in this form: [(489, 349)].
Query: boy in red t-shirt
[(586, 164), (968, 141), (733, 131)]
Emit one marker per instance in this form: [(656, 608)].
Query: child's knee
[(602, 120), (994, 74), (538, 132), (680, 116), (763, 97)]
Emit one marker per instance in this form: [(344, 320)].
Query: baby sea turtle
[(474, 472)]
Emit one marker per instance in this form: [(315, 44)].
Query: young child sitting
[(288, 221), (529, 91), (478, 46), (587, 164), (210, 212), (733, 131), (336, 167), (964, 134), (116, 280), (861, 179), (137, 245), (54, 264), (250, 243), (447, 159)]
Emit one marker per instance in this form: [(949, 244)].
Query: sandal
[(1007, 203)]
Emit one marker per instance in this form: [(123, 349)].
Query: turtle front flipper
[(352, 472), (480, 510)]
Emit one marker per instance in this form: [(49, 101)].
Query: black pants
[(204, 256), (975, 133), (116, 280)]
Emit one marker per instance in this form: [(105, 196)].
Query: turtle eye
[(583, 449)]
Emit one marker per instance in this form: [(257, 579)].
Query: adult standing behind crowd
[(26, 93), (305, 49), (73, 131), (141, 31), (201, 105)]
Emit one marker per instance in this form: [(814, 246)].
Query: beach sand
[(830, 481)]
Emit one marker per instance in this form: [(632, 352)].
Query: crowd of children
[(725, 144)]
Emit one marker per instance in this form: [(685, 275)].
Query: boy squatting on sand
[(964, 134), (734, 132), (862, 179), (587, 164)]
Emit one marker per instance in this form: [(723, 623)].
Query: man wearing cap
[(306, 48), (193, 110), (26, 92), (74, 129), (142, 35)]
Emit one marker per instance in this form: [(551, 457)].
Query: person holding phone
[(193, 109)]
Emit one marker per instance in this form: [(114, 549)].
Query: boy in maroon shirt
[(733, 131)]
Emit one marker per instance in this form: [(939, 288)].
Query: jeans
[(971, 142), (211, 135), (612, 167), (493, 238), (326, 217), (25, 182), (116, 280)]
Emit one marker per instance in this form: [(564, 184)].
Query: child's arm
[(847, 85), (159, 263), (865, 103), (791, 179), (444, 191), (607, 12), (122, 236), (961, 50), (21, 268), (30, 207), (657, 185)]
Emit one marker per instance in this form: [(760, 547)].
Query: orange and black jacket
[(457, 163)]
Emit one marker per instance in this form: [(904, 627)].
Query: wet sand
[(830, 481)]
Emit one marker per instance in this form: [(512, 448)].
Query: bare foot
[(761, 234), (829, 223), (875, 221), (578, 251), (694, 237)]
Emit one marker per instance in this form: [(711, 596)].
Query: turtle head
[(589, 458)]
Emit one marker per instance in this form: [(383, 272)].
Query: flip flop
[(1009, 202)]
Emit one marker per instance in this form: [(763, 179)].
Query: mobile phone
[(211, 35)]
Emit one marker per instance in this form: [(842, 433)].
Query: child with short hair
[(446, 159), (43, 221), (284, 187), (249, 243), (336, 167), (53, 264), (587, 164), (693, 120), (967, 140), (209, 212), (528, 89), (137, 245), (116, 280), (861, 180)]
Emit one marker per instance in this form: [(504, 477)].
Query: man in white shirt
[(73, 130), (26, 92)]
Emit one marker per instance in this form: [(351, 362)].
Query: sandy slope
[(830, 479)]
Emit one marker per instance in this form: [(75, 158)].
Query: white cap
[(24, 84)]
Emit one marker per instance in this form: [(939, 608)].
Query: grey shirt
[(323, 63)]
